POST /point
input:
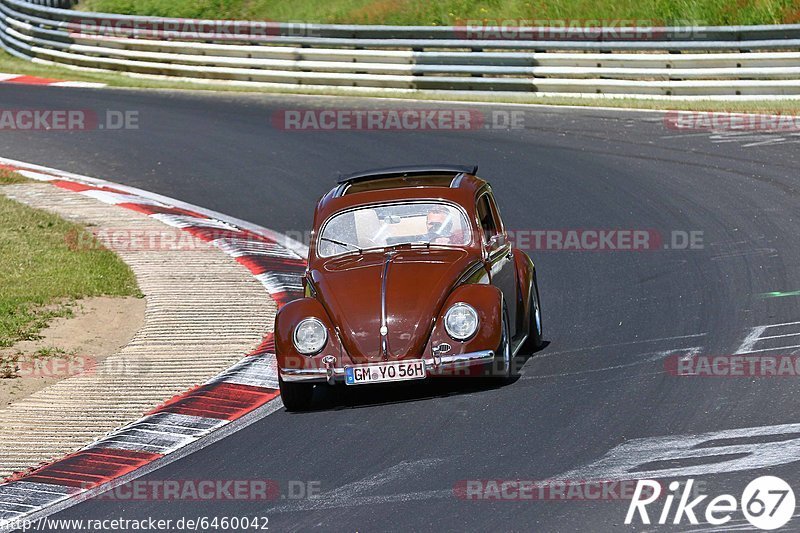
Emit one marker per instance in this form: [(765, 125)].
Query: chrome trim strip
[(472, 271), (340, 190), (322, 376), (486, 355), (520, 344), (310, 371), (384, 326), (310, 374)]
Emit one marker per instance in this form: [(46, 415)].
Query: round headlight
[(461, 321), (310, 336)]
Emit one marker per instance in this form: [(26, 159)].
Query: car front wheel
[(534, 341), (296, 396), (505, 367)]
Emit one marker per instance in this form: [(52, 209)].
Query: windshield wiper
[(418, 244), (342, 244)]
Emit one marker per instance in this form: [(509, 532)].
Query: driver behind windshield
[(439, 223)]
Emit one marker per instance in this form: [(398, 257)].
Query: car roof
[(380, 173), (454, 183)]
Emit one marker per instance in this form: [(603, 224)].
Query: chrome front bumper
[(332, 374)]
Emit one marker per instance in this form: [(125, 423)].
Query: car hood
[(416, 286)]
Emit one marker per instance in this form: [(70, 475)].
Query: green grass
[(449, 12), (10, 364), (41, 276), (13, 65), (49, 352), (8, 177)]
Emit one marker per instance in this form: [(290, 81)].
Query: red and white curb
[(22, 79), (275, 260)]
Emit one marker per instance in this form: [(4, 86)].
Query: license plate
[(383, 372)]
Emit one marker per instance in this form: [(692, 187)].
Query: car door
[(498, 254)]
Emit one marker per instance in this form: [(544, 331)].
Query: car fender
[(526, 274), (285, 322), (487, 300)]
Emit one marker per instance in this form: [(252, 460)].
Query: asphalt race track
[(389, 458)]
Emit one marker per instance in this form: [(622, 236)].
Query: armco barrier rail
[(755, 61)]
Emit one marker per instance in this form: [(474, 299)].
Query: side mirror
[(496, 240)]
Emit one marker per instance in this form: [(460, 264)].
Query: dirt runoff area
[(99, 328)]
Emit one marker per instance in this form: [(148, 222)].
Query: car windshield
[(394, 224)]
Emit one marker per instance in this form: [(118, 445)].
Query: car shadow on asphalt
[(353, 397)]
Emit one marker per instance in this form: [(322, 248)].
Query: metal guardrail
[(674, 61), (55, 3)]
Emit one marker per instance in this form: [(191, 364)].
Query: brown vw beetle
[(410, 275)]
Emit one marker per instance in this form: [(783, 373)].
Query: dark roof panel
[(407, 171)]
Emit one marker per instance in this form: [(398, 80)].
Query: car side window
[(498, 221), (486, 215)]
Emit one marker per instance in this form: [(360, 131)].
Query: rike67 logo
[(767, 502)]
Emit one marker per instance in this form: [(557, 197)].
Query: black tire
[(296, 396), (535, 337), (504, 368)]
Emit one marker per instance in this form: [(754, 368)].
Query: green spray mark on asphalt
[(779, 294)]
